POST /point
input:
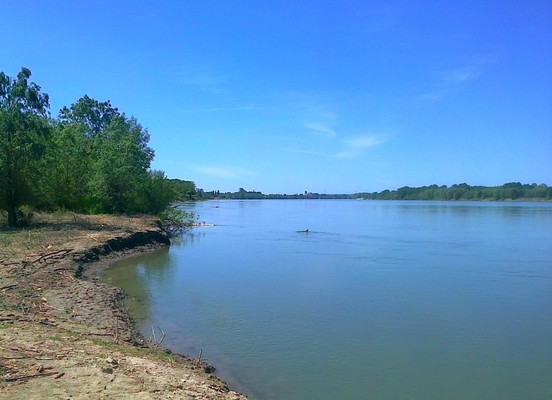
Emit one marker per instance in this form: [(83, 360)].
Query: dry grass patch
[(56, 231)]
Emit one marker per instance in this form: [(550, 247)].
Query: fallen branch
[(52, 254), (8, 264), (199, 358), (97, 334), (18, 378), (153, 338)]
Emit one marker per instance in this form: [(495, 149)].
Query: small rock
[(112, 361), (107, 370)]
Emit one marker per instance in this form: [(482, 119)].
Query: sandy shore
[(65, 335)]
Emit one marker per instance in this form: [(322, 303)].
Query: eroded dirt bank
[(64, 335)]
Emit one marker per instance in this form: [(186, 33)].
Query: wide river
[(378, 300)]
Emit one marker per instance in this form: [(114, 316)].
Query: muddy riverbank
[(63, 334)]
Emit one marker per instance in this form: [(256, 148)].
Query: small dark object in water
[(305, 231)]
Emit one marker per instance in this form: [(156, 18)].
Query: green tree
[(94, 116), (118, 155), (186, 190), (66, 169), (122, 158), (157, 193), (23, 129)]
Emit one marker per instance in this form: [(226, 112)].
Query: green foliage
[(185, 190), (157, 193), (23, 137), (92, 115), (117, 154), (91, 159), (174, 219), (121, 159), (463, 191), (66, 169), (102, 161)]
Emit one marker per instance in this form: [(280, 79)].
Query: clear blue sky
[(288, 96)]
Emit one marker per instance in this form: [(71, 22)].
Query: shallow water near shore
[(378, 300)]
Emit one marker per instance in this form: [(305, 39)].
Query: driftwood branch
[(53, 254), (199, 357), (96, 334), (153, 338), (5, 264), (22, 377)]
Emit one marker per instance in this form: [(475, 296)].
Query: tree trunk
[(11, 195), (12, 215)]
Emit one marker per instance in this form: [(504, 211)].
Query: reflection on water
[(187, 238), (133, 274), (141, 275), (383, 300)]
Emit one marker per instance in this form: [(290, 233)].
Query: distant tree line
[(92, 158), (463, 191), (243, 194)]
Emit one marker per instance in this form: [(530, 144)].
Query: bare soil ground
[(64, 335)]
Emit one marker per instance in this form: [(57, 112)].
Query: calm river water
[(378, 300)]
